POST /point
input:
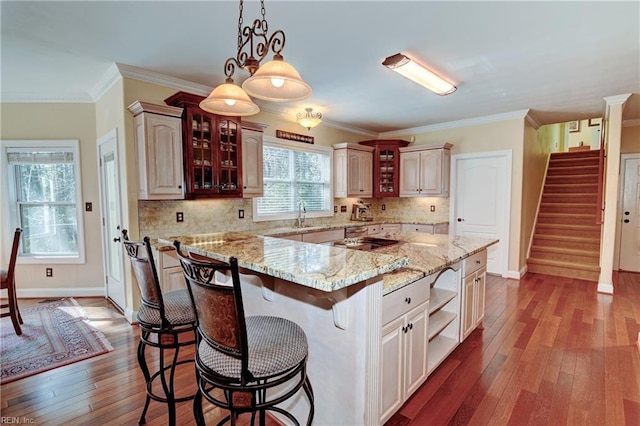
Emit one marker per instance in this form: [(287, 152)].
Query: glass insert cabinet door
[(228, 135), (203, 158)]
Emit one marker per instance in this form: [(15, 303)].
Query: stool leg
[(197, 405), (309, 391), (145, 372), (168, 387)]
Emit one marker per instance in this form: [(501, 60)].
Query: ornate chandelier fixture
[(309, 120), (275, 81)]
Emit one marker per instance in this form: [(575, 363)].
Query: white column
[(613, 116)]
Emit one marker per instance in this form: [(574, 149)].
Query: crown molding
[(106, 82), (39, 98), (617, 100), (140, 74), (458, 123)]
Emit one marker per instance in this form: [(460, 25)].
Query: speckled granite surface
[(318, 266), (327, 268)]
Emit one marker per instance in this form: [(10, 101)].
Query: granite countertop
[(328, 268), (293, 230), (427, 254), (318, 266)]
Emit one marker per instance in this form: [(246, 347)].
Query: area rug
[(54, 333)]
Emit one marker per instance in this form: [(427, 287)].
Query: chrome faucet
[(301, 211)]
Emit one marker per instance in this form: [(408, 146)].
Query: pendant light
[(275, 81), (309, 120)]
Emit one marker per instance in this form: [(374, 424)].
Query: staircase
[(566, 241)]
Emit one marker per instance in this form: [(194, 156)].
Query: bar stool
[(167, 322), (245, 357), (8, 282)]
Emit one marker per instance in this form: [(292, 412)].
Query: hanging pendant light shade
[(229, 99), (277, 81)]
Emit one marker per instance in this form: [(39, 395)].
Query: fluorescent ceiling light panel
[(410, 69)]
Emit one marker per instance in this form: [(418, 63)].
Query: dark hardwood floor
[(552, 352)]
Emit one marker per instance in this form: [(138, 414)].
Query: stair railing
[(601, 164)]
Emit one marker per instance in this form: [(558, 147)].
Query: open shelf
[(440, 297), (439, 348), (438, 321)]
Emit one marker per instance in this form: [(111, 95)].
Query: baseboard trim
[(605, 288), (34, 293), (130, 315), (515, 275)]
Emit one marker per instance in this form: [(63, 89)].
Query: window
[(43, 179), (294, 173)]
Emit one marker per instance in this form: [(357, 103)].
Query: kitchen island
[(342, 298)]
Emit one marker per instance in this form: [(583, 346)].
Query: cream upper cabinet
[(251, 163), (353, 170), (424, 171), (158, 139)]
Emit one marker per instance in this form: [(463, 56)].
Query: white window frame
[(269, 141), (9, 207)]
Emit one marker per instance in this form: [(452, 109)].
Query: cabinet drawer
[(412, 227), (475, 262), (169, 259), (403, 300)]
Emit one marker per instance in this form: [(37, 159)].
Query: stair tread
[(563, 264), (576, 215), (568, 238), (593, 227), (565, 250)]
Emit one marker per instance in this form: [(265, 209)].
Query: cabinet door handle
[(410, 326), (405, 329), (407, 299), (478, 262)]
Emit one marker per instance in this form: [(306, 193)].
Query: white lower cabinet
[(404, 345), (170, 272), (474, 288)]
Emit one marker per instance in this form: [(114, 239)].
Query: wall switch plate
[(88, 207), (49, 272), (384, 207), (240, 214), (432, 208), (179, 217), (343, 209), (335, 209)]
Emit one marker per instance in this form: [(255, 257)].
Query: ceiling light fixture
[(275, 81), (309, 120), (410, 69)]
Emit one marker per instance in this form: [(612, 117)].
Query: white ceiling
[(557, 59)]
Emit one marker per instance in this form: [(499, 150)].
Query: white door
[(630, 226), (481, 184), (111, 217)]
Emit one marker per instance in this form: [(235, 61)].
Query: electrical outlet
[(384, 207), (179, 217), (433, 208), (343, 209), (335, 209), (88, 207), (240, 214), (49, 272)]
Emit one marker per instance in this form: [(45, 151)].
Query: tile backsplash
[(158, 218)]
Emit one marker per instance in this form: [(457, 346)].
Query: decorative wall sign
[(293, 136)]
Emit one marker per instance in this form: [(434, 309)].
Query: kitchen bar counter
[(327, 268), (340, 297)]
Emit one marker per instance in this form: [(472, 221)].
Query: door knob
[(116, 240), (626, 213), (626, 221), (460, 219)]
